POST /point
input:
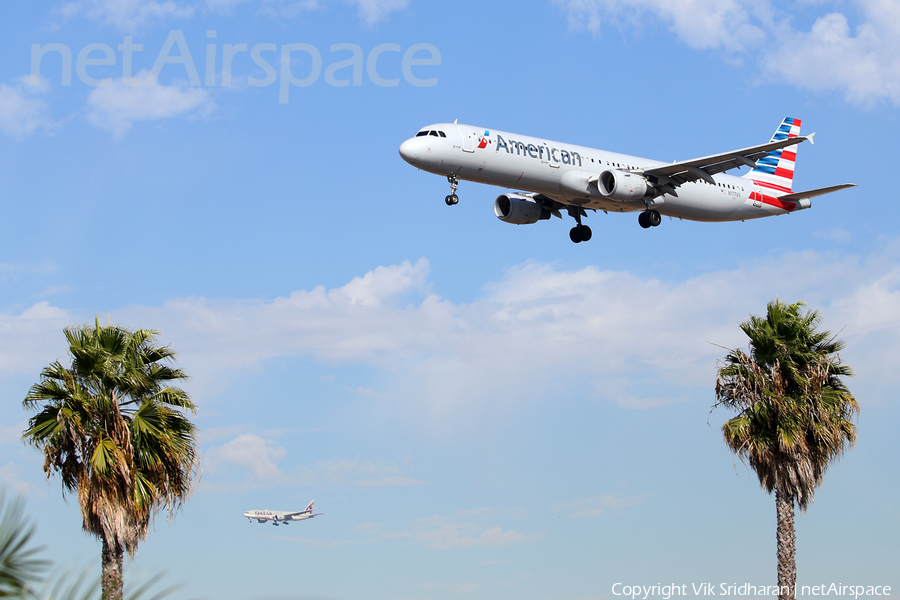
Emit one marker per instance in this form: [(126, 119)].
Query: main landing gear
[(452, 198), (579, 233), (649, 218)]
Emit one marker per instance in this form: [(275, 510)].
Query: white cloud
[(257, 458), (116, 106), (862, 62), (634, 341), (253, 454), (22, 110), (701, 24), (375, 11), (126, 15), (33, 339)]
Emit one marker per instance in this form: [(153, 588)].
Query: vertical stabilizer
[(776, 170)]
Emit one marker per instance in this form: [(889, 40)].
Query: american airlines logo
[(543, 151)]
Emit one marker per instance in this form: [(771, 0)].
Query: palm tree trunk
[(787, 567), (111, 578)]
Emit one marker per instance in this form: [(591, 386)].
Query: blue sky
[(483, 411)]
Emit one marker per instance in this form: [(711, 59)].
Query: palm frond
[(20, 569)]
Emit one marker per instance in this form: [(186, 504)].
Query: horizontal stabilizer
[(813, 193)]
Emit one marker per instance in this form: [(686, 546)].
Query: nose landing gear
[(452, 198)]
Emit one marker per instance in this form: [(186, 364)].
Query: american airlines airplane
[(285, 517), (554, 176)]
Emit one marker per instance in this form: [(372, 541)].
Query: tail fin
[(309, 506), (776, 170)]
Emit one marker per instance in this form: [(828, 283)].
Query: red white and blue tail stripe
[(775, 172)]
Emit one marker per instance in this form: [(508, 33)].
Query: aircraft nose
[(409, 150)]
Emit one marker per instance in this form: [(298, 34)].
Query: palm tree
[(112, 427), (794, 413)]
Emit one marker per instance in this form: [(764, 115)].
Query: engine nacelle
[(519, 210), (621, 185)]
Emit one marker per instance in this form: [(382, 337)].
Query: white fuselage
[(558, 170)]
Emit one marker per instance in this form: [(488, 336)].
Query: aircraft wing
[(683, 171), (817, 192)]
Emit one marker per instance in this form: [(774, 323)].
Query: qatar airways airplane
[(284, 516), (554, 176)]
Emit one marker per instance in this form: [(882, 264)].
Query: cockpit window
[(442, 134), (421, 133), (434, 133)]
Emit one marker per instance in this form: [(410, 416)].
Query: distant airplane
[(558, 176), (285, 517)]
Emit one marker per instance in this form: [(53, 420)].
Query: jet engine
[(519, 210), (621, 185)]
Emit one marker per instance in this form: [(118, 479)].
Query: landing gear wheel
[(580, 233), (454, 183), (575, 235), (653, 218), (644, 220)]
